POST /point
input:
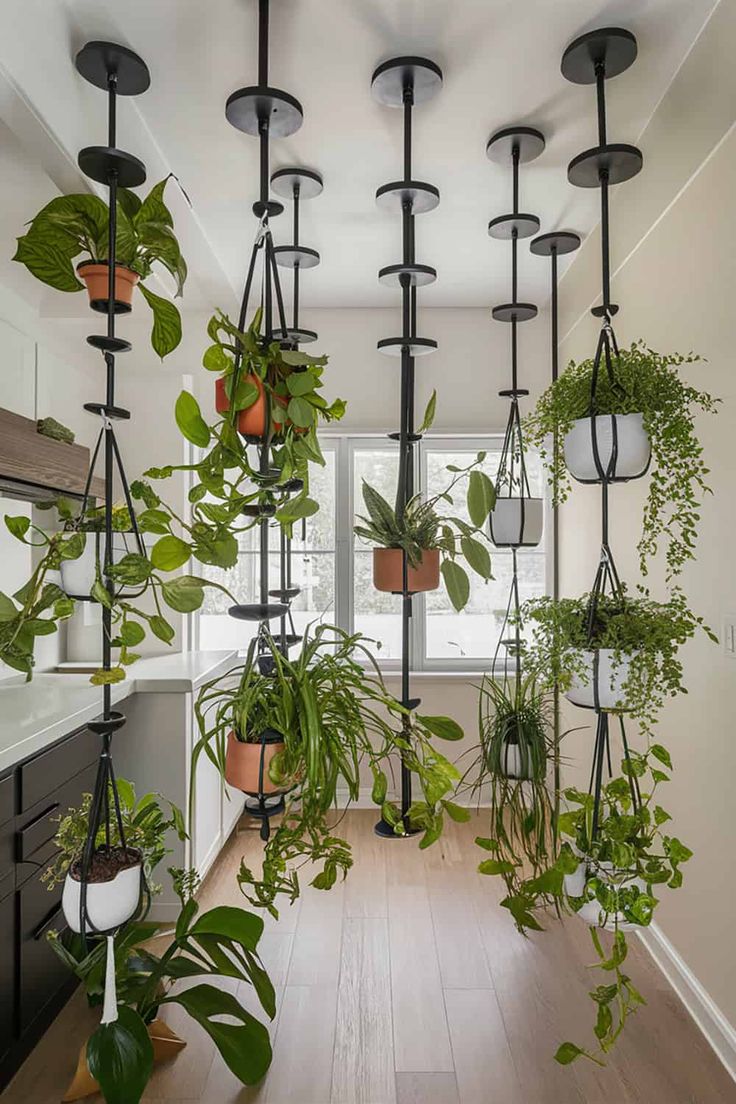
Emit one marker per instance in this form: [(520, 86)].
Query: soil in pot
[(243, 763), (388, 571), (106, 865), (252, 420), (95, 276)]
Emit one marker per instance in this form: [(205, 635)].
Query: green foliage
[(334, 712), (646, 383), (74, 226), (420, 526), (221, 943), (648, 634)]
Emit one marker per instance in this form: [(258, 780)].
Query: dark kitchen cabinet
[(34, 984)]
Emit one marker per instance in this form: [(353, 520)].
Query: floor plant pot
[(114, 887), (78, 576), (623, 446), (95, 276), (516, 522), (388, 571), (604, 688), (243, 763), (252, 420)]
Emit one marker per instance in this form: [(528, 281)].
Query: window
[(334, 568)]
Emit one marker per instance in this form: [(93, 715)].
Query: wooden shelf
[(32, 465)]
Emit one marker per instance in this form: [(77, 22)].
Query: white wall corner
[(707, 1015)]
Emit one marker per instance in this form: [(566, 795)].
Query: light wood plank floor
[(409, 985)]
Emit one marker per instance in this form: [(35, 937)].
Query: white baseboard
[(707, 1015)]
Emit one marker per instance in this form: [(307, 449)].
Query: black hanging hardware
[(594, 58), (403, 83), (119, 72), (297, 184)]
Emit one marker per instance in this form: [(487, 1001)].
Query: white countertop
[(34, 715)]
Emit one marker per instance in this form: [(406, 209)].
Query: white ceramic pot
[(109, 904), (592, 912), (511, 762), (609, 681), (632, 447), (509, 529), (78, 576), (575, 883)]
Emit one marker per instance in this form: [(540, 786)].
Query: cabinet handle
[(43, 927)]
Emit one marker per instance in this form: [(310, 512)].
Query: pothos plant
[(334, 713), (622, 867), (426, 523), (644, 634), (646, 383), (76, 226), (38, 607), (208, 946)]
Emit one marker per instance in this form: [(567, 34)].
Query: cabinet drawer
[(7, 798), (42, 973), (34, 837), (44, 774)]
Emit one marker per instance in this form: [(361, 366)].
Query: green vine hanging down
[(646, 383), (333, 711)]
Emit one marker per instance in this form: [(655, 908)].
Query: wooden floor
[(408, 985)]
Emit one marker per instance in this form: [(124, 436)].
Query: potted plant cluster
[(645, 410), (433, 541), (329, 711), (74, 226), (223, 942), (626, 660)]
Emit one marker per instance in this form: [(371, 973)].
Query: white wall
[(675, 284)]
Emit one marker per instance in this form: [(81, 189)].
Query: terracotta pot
[(283, 423), (243, 763), (95, 277), (388, 571), (252, 420)]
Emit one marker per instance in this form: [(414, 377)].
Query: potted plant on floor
[(220, 943), (626, 660), (432, 541), (645, 408), (75, 226), (333, 712)]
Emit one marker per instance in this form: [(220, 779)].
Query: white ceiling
[(501, 64)]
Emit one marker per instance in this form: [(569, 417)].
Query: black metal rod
[(296, 296), (556, 718), (408, 105), (263, 42), (264, 159), (605, 243), (515, 176), (600, 93)]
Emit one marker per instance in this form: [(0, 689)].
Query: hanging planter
[(620, 441), (247, 763), (388, 571), (114, 884), (79, 576), (281, 420), (615, 881), (95, 276), (251, 421), (516, 522), (601, 685)]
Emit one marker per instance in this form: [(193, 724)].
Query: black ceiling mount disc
[(614, 46), (391, 78), (417, 346), (100, 162), (558, 241), (258, 611), (107, 724), (100, 306), (500, 146), (97, 60), (619, 161), (513, 393), (248, 106), (423, 197), (309, 182), (109, 344), (289, 256), (286, 594), (514, 312), (271, 207), (419, 275), (601, 312), (410, 436), (114, 413), (503, 227), (294, 336)]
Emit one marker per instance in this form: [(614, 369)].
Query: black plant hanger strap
[(512, 471)]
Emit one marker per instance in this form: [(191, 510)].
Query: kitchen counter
[(34, 715)]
